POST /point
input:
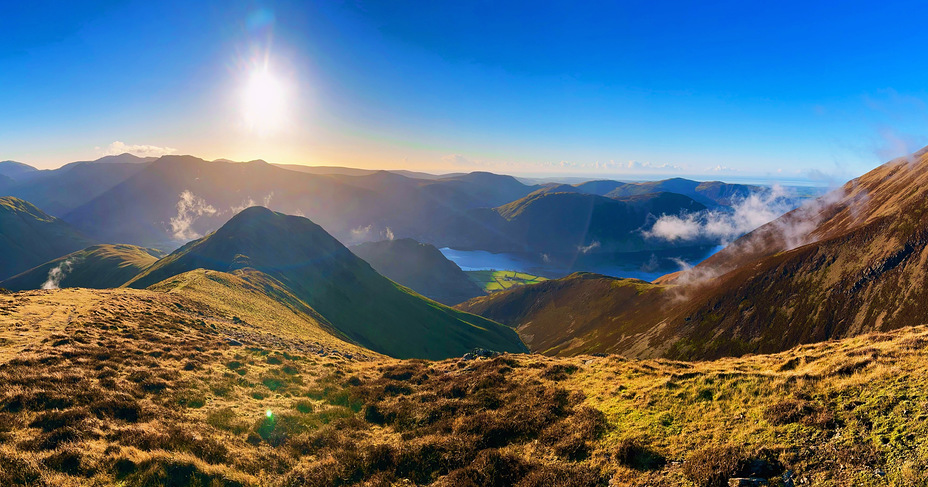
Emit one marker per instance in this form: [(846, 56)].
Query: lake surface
[(640, 265)]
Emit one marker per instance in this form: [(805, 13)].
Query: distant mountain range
[(850, 262), (164, 202)]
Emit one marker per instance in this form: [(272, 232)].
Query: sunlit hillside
[(151, 387)]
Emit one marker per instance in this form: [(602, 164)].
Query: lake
[(640, 265)]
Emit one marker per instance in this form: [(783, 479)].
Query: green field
[(499, 280)]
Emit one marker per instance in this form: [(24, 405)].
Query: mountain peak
[(366, 307)]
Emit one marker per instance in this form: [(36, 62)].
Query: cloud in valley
[(721, 225), (190, 207), (118, 147)]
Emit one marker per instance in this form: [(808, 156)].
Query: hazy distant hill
[(851, 262), (572, 222), (711, 193), (363, 305), (15, 170), (420, 267), (29, 237), (58, 191), (177, 198), (100, 266)]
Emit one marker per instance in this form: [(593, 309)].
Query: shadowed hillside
[(420, 267), (363, 305), (29, 237), (100, 266)]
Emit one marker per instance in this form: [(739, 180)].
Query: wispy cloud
[(57, 274), (119, 147), (189, 208)]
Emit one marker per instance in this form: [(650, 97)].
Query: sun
[(264, 102)]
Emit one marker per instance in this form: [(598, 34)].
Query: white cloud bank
[(118, 147)]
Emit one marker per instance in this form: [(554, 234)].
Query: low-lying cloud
[(56, 274), (723, 225), (190, 207)]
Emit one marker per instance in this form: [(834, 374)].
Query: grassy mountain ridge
[(29, 237), (420, 267), (99, 266), (363, 305)]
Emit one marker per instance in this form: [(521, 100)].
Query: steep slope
[(852, 262), (100, 266), (420, 267), (581, 313), (29, 236), (363, 305)]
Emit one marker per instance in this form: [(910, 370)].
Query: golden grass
[(140, 387)]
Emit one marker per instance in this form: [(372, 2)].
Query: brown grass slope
[(852, 262), (99, 266), (137, 387), (581, 313)]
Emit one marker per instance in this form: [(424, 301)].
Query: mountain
[(100, 266), (177, 198), (851, 262), (14, 170), (29, 236), (366, 307), (575, 222), (710, 193), (420, 267), (61, 190), (601, 187), (487, 188)]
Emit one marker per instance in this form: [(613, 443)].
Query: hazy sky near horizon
[(725, 90)]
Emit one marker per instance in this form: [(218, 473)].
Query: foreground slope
[(366, 307), (420, 267), (29, 237), (186, 401), (851, 262), (99, 266), (581, 313)]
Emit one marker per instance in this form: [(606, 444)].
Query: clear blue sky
[(711, 89)]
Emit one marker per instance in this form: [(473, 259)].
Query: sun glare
[(264, 102)]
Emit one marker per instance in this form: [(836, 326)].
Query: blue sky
[(723, 90)]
